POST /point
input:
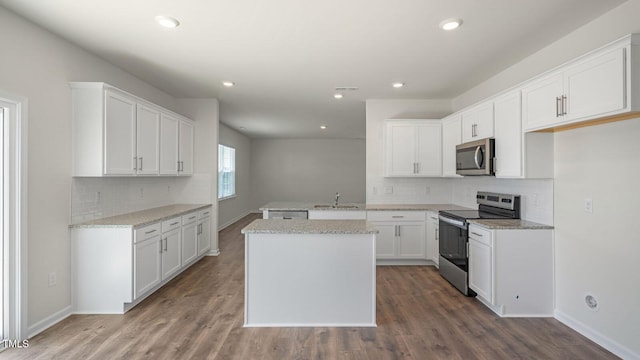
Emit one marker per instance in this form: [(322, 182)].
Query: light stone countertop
[(307, 206), (143, 217), (296, 226), (502, 224), (415, 207)]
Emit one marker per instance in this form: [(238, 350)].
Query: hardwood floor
[(199, 315)]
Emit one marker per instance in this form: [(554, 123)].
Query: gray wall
[(234, 208), (307, 170)]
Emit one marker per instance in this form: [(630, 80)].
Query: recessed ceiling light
[(337, 96), (242, 127), (323, 127), (167, 21), (451, 24), (397, 85), (228, 83)]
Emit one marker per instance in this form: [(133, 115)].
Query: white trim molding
[(235, 219), (49, 321), (16, 218), (595, 336)]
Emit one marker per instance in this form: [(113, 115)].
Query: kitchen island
[(310, 273)]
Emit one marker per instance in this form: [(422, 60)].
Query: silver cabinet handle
[(166, 245), (178, 166), (558, 106), (437, 230), (564, 104), (398, 230), (417, 168), (175, 223), (135, 162), (476, 234), (150, 231), (397, 216), (140, 163)]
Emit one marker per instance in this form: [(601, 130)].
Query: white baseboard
[(595, 336), (232, 221), (48, 322), (213, 252)]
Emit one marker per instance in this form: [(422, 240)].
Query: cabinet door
[(147, 140), (480, 269), (412, 241), (385, 241), (204, 235), (171, 253), (189, 242), (477, 123), (429, 149), (169, 128), (595, 87), (451, 136), (539, 105), (186, 148), (400, 149), (119, 134), (508, 134), (433, 252), (148, 270)]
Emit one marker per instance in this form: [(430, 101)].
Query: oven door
[(453, 241)]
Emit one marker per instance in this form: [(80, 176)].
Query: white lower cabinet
[(146, 258), (337, 215), (189, 237), (401, 234), (204, 231), (512, 270), (433, 237)]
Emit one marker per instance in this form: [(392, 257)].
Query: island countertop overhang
[(295, 226)]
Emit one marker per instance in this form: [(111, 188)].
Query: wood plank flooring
[(199, 315)]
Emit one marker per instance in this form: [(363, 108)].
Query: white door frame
[(16, 217)]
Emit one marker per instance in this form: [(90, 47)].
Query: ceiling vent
[(347, 88)]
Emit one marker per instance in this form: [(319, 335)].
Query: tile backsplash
[(93, 198)]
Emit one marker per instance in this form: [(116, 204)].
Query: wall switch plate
[(588, 205), (374, 190), (53, 279)]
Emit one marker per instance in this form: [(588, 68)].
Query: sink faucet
[(337, 197)]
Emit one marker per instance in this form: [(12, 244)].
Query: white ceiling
[(287, 56)]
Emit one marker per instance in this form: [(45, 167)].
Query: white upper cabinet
[(508, 135), (595, 86), (518, 154), (185, 145), (451, 136), (477, 122), (117, 134), (147, 140), (169, 127), (413, 148)]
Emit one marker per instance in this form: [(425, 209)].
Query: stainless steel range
[(454, 237)]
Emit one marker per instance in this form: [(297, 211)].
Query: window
[(226, 172)]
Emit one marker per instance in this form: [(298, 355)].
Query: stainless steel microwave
[(476, 157)]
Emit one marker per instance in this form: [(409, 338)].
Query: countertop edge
[(138, 224), (500, 224), (310, 227)]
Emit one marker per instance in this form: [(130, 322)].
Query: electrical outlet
[(169, 189), (588, 205), (53, 279), (97, 197), (141, 193), (374, 190)]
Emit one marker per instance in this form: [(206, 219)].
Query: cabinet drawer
[(482, 235), (204, 213), (395, 216), (171, 224), (147, 232), (190, 217)]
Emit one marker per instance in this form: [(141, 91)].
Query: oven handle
[(456, 223)]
